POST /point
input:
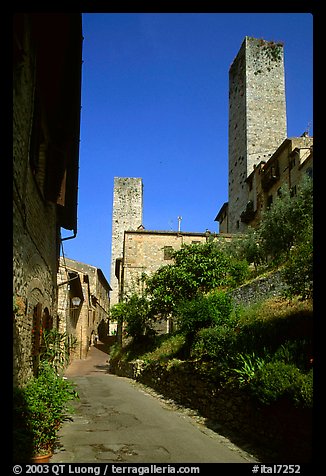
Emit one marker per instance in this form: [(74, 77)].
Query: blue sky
[(155, 106)]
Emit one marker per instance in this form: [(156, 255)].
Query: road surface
[(116, 420)]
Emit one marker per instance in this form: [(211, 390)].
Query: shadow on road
[(102, 347)]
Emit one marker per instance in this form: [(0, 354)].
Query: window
[(168, 250)]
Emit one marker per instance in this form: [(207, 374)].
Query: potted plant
[(39, 411)]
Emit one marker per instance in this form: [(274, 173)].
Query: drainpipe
[(70, 237)]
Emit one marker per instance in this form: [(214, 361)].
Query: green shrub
[(135, 314), (273, 323), (287, 220), (277, 379), (297, 352), (204, 311), (56, 348), (214, 343), (238, 272), (167, 347), (304, 396), (298, 271), (248, 365), (39, 410)]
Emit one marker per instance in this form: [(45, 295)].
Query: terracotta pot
[(41, 458)]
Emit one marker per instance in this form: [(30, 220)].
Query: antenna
[(179, 223), (308, 128)]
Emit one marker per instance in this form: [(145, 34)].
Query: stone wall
[(127, 214), (92, 315), (35, 232), (258, 289)]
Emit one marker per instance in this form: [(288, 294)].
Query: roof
[(222, 209), (165, 232), (58, 43)]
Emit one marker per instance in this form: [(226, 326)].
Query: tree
[(135, 313), (197, 269), (284, 223)]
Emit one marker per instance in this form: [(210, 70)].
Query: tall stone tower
[(257, 117), (127, 214)]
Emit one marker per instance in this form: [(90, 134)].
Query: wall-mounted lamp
[(76, 301)]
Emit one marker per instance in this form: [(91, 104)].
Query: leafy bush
[(238, 272), (167, 347), (288, 218), (135, 313), (197, 269), (268, 325), (215, 343), (278, 379), (204, 311), (298, 271), (297, 352), (56, 348), (39, 410)]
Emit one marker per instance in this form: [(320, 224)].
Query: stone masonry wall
[(35, 235), (262, 287), (127, 214)]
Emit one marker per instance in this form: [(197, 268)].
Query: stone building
[(257, 117), (127, 214), (145, 251), (261, 158), (83, 304), (47, 59), (285, 168)]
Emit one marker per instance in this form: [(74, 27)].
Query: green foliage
[(247, 247), (205, 265), (204, 311), (118, 311), (214, 343), (39, 410), (167, 287), (277, 379), (287, 220), (135, 313), (266, 326), (56, 348), (298, 272), (238, 272), (247, 367), (167, 346), (297, 352), (197, 269)]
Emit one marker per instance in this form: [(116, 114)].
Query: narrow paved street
[(117, 421)]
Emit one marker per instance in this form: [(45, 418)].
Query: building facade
[(83, 304), (46, 127), (145, 251), (286, 167), (127, 214)]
